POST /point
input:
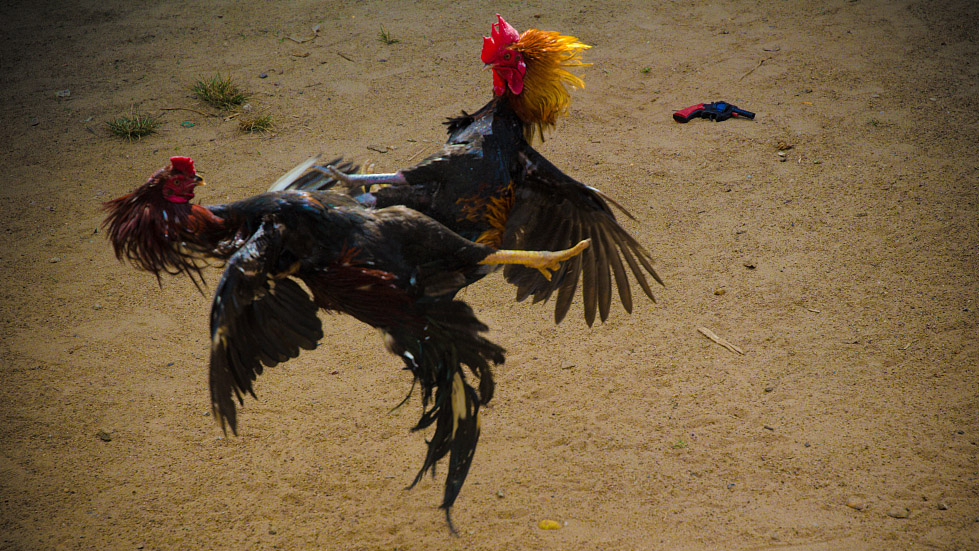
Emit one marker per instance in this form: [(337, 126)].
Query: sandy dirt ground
[(847, 274)]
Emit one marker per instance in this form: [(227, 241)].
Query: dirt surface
[(847, 274)]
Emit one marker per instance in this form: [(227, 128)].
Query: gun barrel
[(742, 113)]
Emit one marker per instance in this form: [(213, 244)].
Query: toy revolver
[(717, 111)]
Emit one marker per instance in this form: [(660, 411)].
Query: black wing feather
[(255, 320), (546, 199)]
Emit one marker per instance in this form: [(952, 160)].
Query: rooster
[(393, 268), (489, 185)]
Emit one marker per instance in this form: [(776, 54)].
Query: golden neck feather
[(548, 56)]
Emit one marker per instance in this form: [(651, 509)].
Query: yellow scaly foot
[(545, 261)]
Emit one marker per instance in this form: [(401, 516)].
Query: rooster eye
[(506, 56)]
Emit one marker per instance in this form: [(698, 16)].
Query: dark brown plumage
[(489, 185), (394, 269)]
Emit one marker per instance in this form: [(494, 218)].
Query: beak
[(198, 180), (487, 66)]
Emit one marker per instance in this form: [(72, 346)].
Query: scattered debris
[(104, 436), (316, 33), (726, 344)]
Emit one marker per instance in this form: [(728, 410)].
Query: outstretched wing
[(552, 211), (257, 320)]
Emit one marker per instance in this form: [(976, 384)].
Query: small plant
[(255, 123), (646, 70), (134, 125), (679, 445), (873, 122), (219, 92), (386, 38)]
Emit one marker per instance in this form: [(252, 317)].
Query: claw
[(543, 261), (340, 176)]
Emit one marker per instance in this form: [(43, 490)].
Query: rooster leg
[(365, 180), (359, 185), (545, 261)]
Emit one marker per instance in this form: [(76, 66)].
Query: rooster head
[(179, 180), (148, 225), (507, 63), (530, 70)]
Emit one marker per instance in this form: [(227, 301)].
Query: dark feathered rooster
[(393, 268), (489, 185)]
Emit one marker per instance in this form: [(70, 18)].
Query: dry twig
[(723, 342)]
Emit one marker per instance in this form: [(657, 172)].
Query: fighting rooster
[(489, 185), (393, 268)]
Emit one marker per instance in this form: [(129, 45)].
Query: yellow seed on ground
[(548, 524)]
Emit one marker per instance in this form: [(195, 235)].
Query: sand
[(845, 270)]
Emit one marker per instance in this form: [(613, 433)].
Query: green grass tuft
[(386, 37), (134, 125), (255, 123), (218, 92)]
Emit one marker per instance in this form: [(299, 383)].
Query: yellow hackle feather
[(495, 213), (545, 97)]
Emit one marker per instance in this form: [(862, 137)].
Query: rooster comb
[(183, 164), (502, 34)]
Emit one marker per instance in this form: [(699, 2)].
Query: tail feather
[(451, 340)]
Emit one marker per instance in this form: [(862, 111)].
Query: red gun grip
[(684, 115)]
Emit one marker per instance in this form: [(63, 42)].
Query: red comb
[(502, 34), (183, 164)]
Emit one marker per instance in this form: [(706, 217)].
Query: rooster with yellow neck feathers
[(489, 185)]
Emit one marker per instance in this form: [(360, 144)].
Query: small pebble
[(54, 259), (720, 292), (104, 436), (855, 502), (898, 512), (499, 494), (769, 388), (263, 75), (942, 506), (97, 306)]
